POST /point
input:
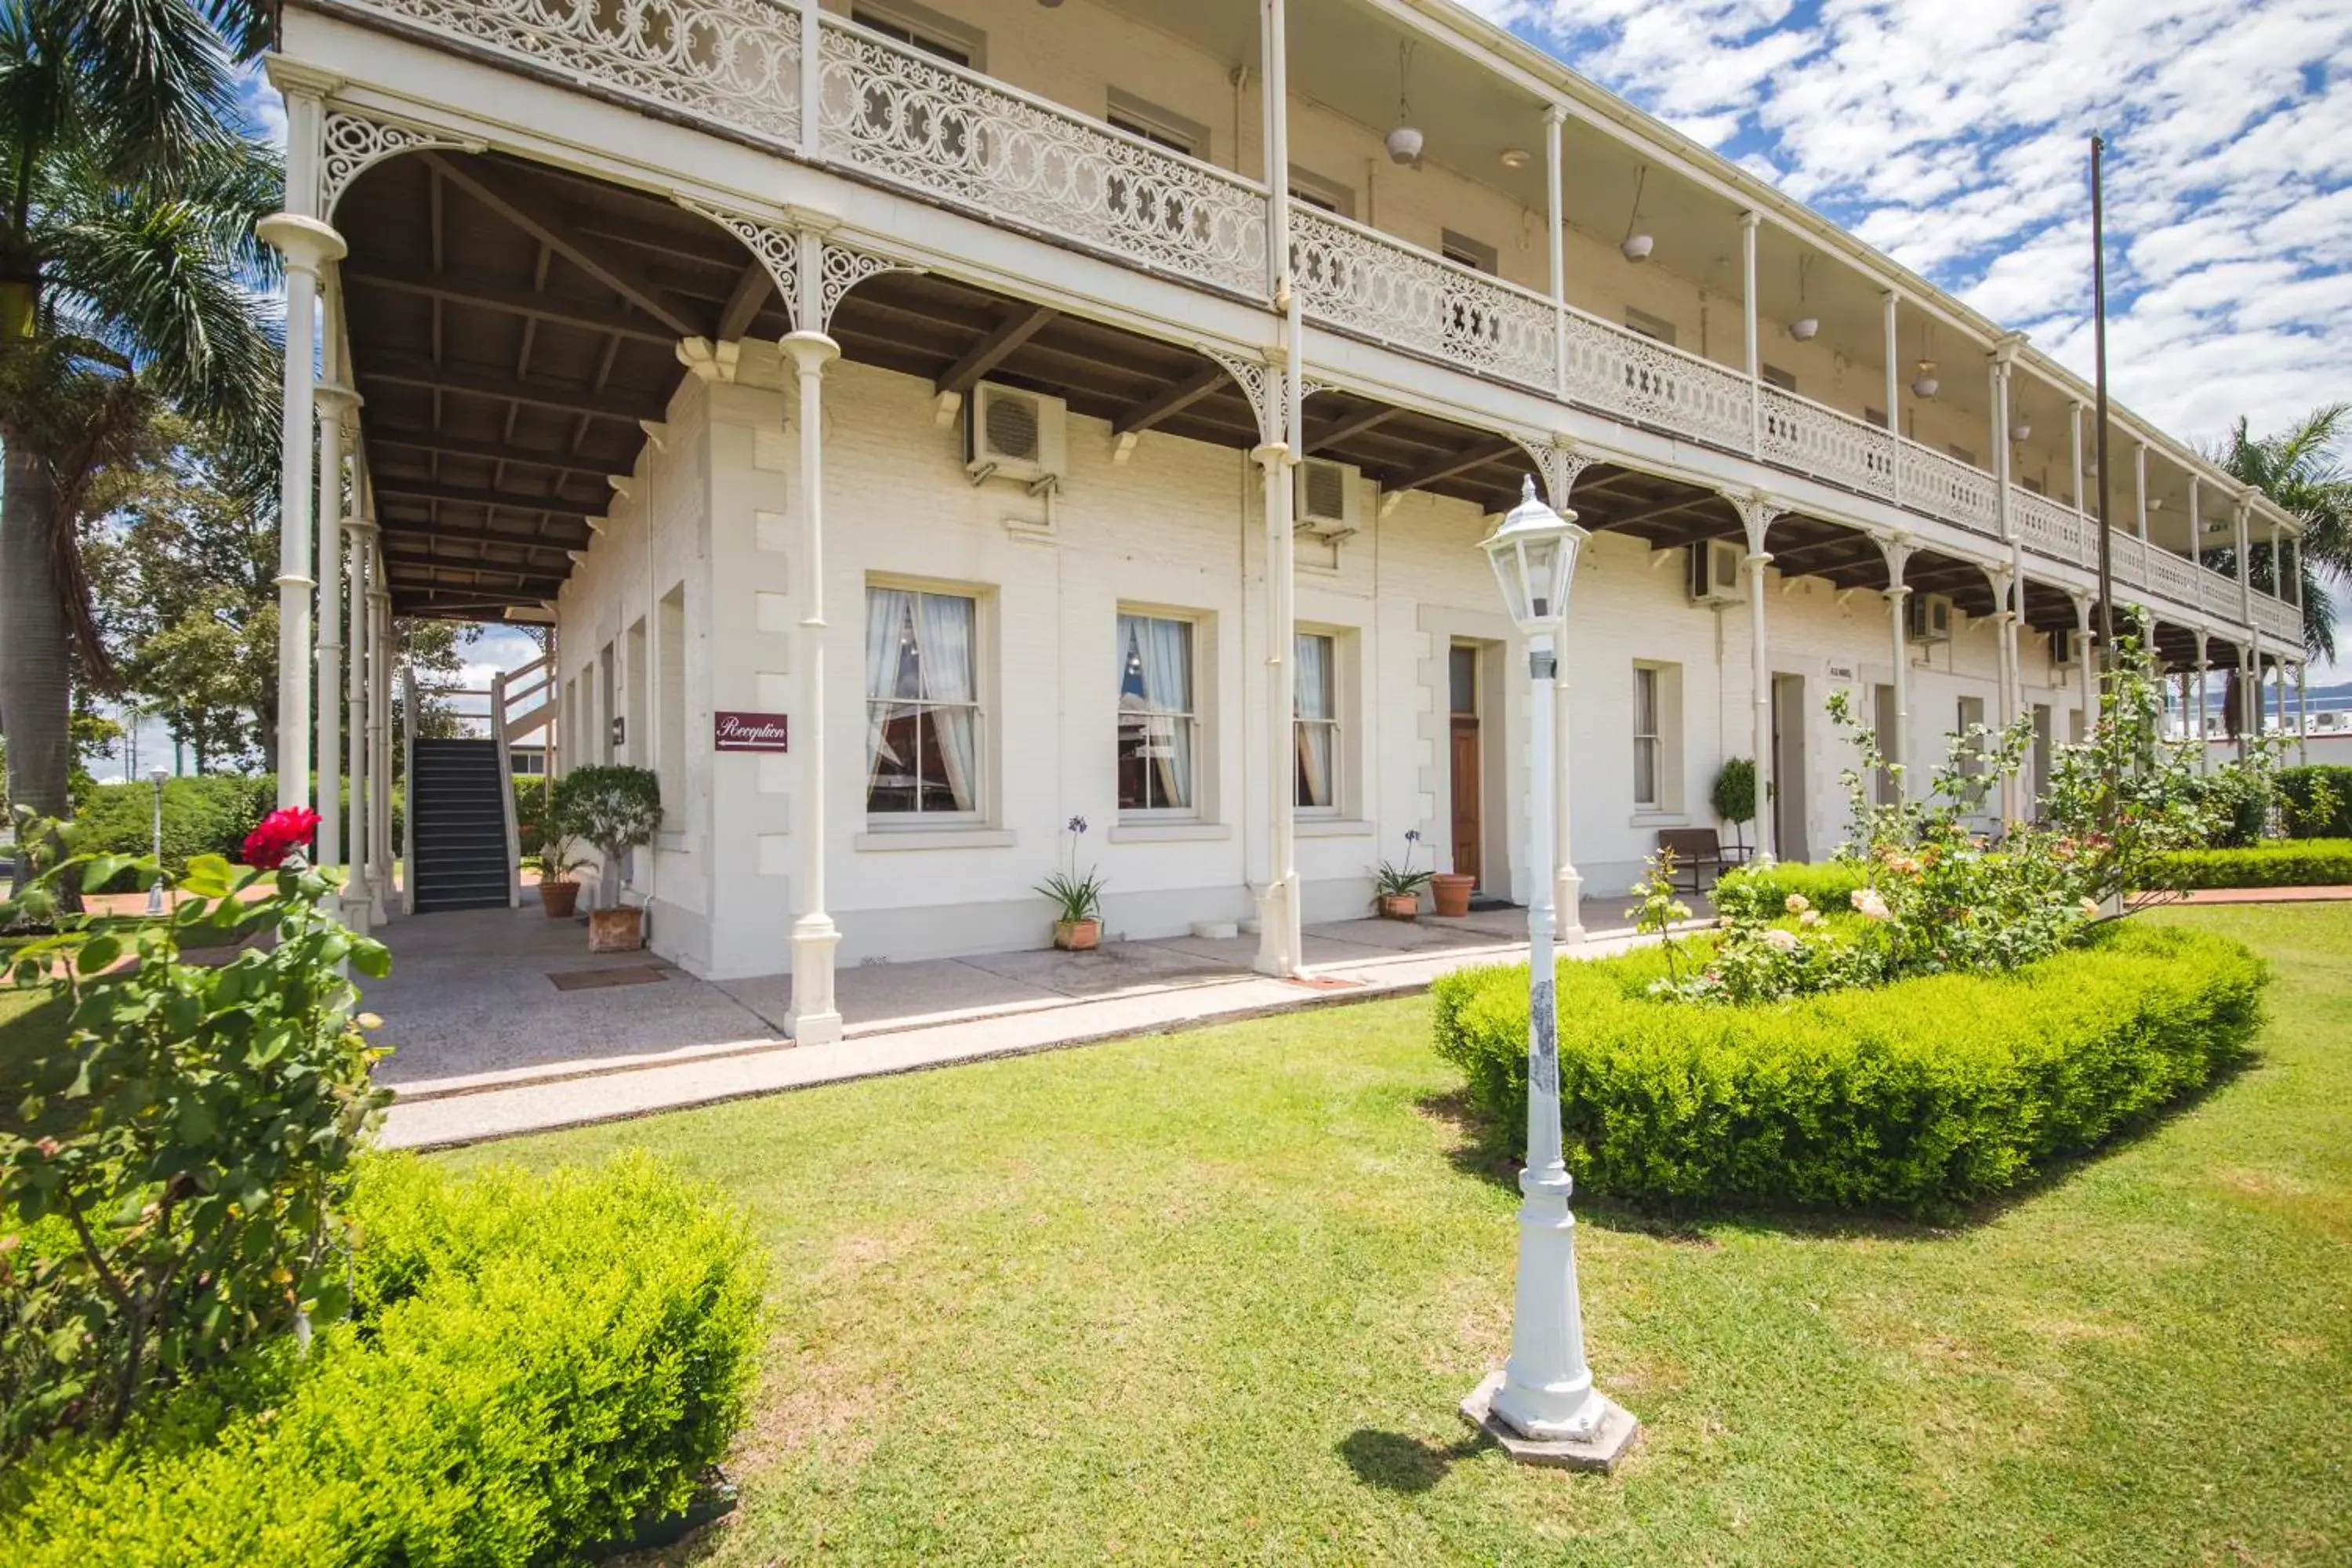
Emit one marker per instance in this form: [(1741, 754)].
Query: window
[(639, 734), (1972, 757), (932, 34), (1774, 375), (605, 712), (923, 729), (1462, 680), (1654, 327), (1326, 195), (1160, 126), (1873, 416), (1159, 720), (1314, 720), (669, 754), (2035, 486), (1963, 454), (1890, 743), (1648, 743), (1464, 251)]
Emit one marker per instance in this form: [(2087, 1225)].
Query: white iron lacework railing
[(2278, 617), (735, 61), (1624, 373), (1802, 435), (919, 122), (1946, 487), (1362, 280), (2052, 529)]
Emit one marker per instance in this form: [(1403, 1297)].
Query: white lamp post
[(155, 889), (1542, 1407)]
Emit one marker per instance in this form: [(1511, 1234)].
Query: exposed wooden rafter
[(1017, 327)]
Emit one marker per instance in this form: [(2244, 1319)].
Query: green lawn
[(1212, 1298)]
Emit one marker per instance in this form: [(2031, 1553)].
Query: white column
[(1897, 551), (1748, 221), (812, 78), (1279, 938), (359, 899), (2204, 750), (813, 1018), (2074, 445), (2083, 663), (1894, 395), (382, 651), (1274, 50), (337, 407), (1756, 516), (1557, 204), (2303, 712)]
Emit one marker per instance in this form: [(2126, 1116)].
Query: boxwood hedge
[(2273, 863), (1919, 1097), (533, 1365), (2301, 788), (207, 813)]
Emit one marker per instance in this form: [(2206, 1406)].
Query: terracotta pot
[(1077, 936), (1399, 906), (617, 930), (1450, 890), (559, 899)]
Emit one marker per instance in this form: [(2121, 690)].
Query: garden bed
[(2273, 863), (1919, 1097)]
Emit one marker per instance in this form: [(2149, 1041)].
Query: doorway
[(1468, 777), (1788, 768)]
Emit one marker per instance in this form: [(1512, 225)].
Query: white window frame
[(984, 661), (932, 32), (1668, 786), (1163, 128), (1650, 742), (1657, 329), (1339, 639), (1196, 634), (1330, 196)]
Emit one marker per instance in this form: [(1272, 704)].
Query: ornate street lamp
[(1542, 1407)]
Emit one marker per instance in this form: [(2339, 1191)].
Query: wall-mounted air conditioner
[(1008, 434), (1713, 572), (1325, 500), (1928, 618)]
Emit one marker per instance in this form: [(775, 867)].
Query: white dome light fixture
[(1405, 143), (2020, 431), (1926, 385), (1803, 328), (1516, 158), (1636, 246)]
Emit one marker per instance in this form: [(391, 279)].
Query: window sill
[(933, 838), (1659, 819), (1170, 832), (1330, 827)]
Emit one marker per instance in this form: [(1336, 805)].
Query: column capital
[(812, 351), (2005, 347), (296, 79), (305, 242), (1555, 113), (335, 400), (1750, 219)]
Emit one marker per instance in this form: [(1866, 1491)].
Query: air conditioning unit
[(1008, 434), (1713, 575), (1928, 618), (2065, 649), (1324, 502)]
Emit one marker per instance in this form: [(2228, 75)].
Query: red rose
[(278, 834)]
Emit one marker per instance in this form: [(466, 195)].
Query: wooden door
[(1468, 836)]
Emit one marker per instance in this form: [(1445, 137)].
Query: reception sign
[(750, 732)]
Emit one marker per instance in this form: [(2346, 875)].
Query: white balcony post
[(2012, 594), (1556, 202), (337, 407), (2204, 752), (2074, 454), (1755, 515), (359, 899), (812, 78), (1894, 393), (1748, 221), (2090, 681), (813, 1018), (1897, 550), (1273, 48), (2302, 713), (381, 652)]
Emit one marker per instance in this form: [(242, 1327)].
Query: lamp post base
[(1608, 1442)]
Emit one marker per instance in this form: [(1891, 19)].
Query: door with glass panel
[(1469, 831)]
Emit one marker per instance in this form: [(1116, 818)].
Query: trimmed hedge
[(2299, 784), (1921, 1097), (2273, 863), (533, 1365), (207, 813), (1827, 885)]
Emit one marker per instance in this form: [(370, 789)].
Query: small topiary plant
[(1735, 796), (614, 807)]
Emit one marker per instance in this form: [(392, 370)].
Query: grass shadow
[(1396, 1463)]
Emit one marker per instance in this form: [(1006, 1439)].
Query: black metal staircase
[(458, 824)]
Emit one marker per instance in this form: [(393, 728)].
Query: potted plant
[(1078, 901), (1450, 892), (1735, 800), (559, 895), (1397, 889), (616, 809)]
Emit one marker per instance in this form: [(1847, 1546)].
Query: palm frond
[(156, 79)]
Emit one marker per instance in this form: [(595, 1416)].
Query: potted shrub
[(616, 809), (559, 895), (1450, 892), (1078, 900), (1735, 800), (1397, 889)]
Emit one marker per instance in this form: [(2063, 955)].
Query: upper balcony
[(1136, 129)]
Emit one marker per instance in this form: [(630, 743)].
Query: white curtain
[(945, 636), (1168, 690), (886, 625), (1312, 698)]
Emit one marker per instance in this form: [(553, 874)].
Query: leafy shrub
[(2273, 863), (534, 1364), (1919, 1097), (1765, 889), (206, 815), (2305, 792), (611, 805), (530, 803)]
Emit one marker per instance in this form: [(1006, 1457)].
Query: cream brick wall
[(1176, 527)]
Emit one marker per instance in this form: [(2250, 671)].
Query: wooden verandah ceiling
[(512, 327)]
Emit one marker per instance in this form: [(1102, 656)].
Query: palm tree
[(2298, 469), (130, 278)]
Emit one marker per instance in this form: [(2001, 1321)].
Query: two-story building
[(1091, 408)]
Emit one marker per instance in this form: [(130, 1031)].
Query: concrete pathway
[(486, 1045)]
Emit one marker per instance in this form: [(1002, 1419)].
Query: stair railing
[(408, 773), (501, 736)]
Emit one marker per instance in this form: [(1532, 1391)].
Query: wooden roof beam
[(468, 495), (1167, 404), (1450, 465), (1018, 328), (402, 369)]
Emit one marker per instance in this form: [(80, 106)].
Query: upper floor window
[(923, 29), (1963, 454), (1314, 721), (1163, 127), (1158, 719), (1464, 251), (1648, 326), (1325, 195), (1773, 375), (923, 719)]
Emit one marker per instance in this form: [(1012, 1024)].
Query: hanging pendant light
[(1803, 328), (1636, 246), (1404, 143), (1925, 384), (2020, 431)]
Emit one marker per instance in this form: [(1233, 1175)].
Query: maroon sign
[(750, 732)]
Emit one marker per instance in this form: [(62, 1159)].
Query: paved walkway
[(486, 1045), (2321, 895)]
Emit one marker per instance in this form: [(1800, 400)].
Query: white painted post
[(1756, 514), (814, 1017), (2303, 712), (359, 900), (811, 78), (1897, 550), (1894, 396), (2074, 444), (1555, 115), (2090, 681), (2204, 748), (1748, 221), (338, 405), (1567, 883)]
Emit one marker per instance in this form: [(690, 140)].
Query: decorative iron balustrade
[(1946, 487), (952, 133), (2053, 530), (1803, 435), (1620, 372), (2174, 576), (1362, 280), (736, 62), (2278, 618)]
